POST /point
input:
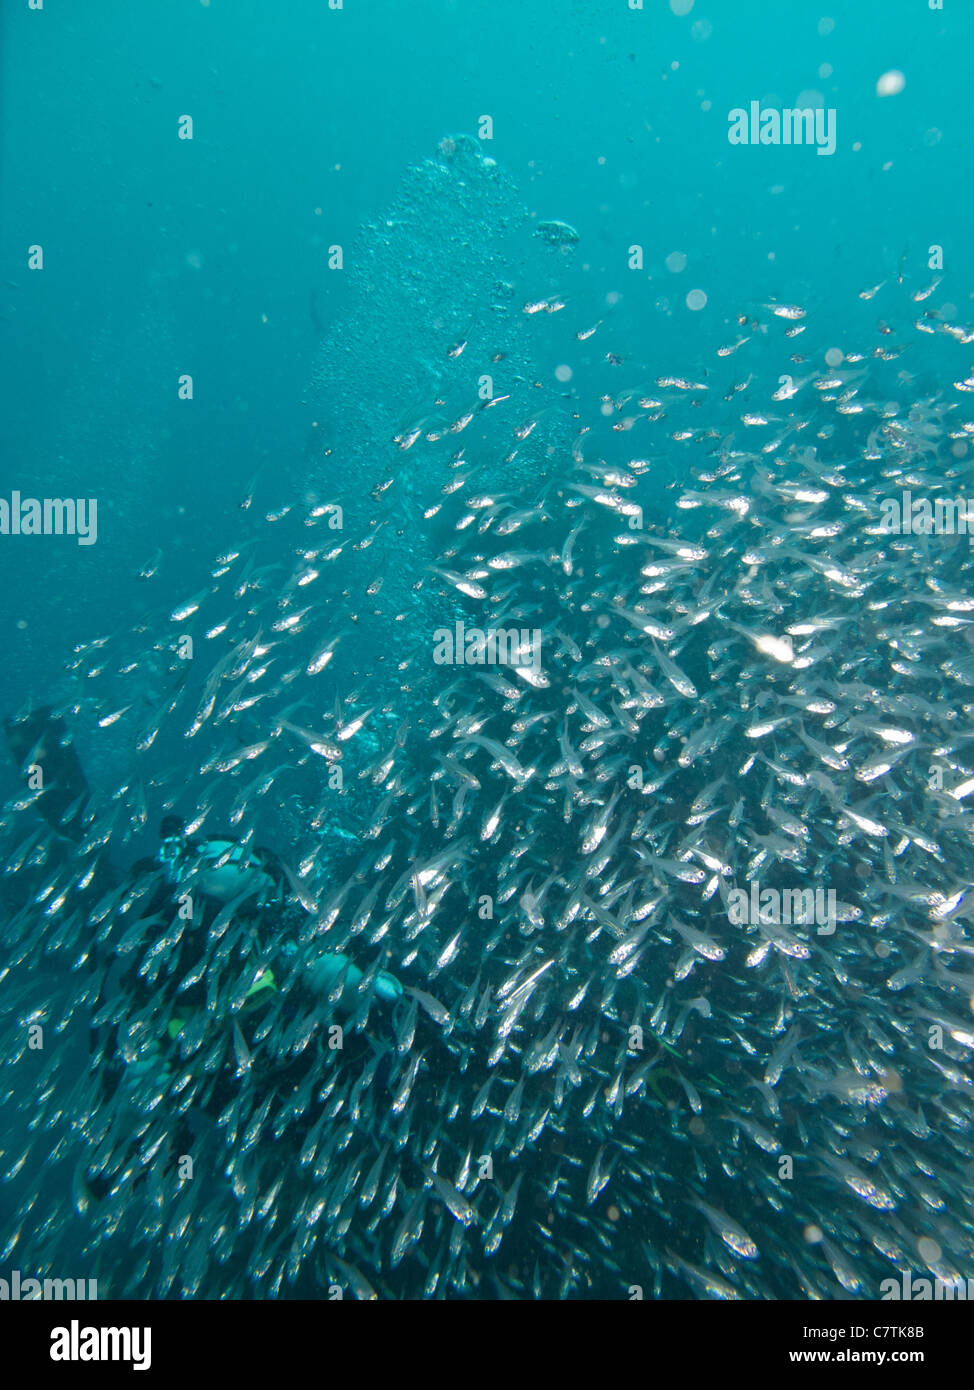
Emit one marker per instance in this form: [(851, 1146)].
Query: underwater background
[(489, 279)]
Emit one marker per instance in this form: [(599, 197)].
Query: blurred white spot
[(809, 98), (676, 261), (681, 7), (606, 408), (928, 1250), (696, 299), (825, 27), (564, 372), (834, 356), (890, 83), (813, 1234), (702, 30), (825, 71), (932, 137)]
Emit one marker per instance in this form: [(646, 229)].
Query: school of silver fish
[(600, 1087)]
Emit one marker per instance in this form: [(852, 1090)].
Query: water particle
[(928, 1250), (891, 83)]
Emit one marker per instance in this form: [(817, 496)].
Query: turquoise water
[(437, 265), (166, 256)]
